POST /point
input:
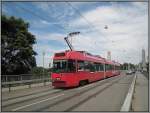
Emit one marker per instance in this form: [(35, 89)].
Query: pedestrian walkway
[(24, 87), (140, 97)]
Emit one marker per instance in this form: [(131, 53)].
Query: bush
[(40, 71)]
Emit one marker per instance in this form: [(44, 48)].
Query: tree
[(125, 66), (17, 54)]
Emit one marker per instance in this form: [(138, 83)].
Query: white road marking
[(28, 97), (37, 102), (127, 103)]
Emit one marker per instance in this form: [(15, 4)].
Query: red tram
[(74, 68)]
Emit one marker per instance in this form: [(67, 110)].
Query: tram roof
[(82, 55)]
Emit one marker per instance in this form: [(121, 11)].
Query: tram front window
[(60, 66)]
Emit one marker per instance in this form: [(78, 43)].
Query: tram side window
[(87, 66), (97, 67), (101, 67), (106, 67), (80, 65), (92, 67), (71, 65), (110, 67)]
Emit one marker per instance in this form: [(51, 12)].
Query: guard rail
[(24, 82)]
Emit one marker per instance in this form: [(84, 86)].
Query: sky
[(50, 22)]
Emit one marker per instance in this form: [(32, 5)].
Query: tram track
[(79, 94), (91, 96), (25, 92), (29, 97), (95, 85), (7, 99)]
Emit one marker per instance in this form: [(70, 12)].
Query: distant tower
[(109, 55), (143, 56), (143, 59)]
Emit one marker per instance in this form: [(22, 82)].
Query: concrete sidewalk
[(24, 86), (140, 96)]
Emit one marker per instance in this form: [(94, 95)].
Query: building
[(143, 60), (143, 56)]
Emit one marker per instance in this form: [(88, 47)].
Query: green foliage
[(126, 65), (39, 71), (17, 55)]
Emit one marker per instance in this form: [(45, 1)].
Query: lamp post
[(104, 70)]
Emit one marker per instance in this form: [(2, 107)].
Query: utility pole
[(43, 63), (104, 70)]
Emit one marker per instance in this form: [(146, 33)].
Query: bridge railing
[(24, 82), (8, 81), (9, 78)]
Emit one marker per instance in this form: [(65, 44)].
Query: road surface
[(104, 95)]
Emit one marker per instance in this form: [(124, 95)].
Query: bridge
[(119, 93)]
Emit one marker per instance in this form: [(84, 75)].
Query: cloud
[(59, 11), (126, 35), (127, 26)]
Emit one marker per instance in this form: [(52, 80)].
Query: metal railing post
[(6, 79), (29, 85), (21, 78), (9, 87), (24, 82), (44, 82)]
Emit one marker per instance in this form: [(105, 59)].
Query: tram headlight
[(57, 78)]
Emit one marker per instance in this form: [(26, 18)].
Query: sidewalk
[(24, 87), (140, 96)]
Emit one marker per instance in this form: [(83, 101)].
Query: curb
[(127, 103), (23, 87)]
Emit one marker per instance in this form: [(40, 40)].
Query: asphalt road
[(104, 95)]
